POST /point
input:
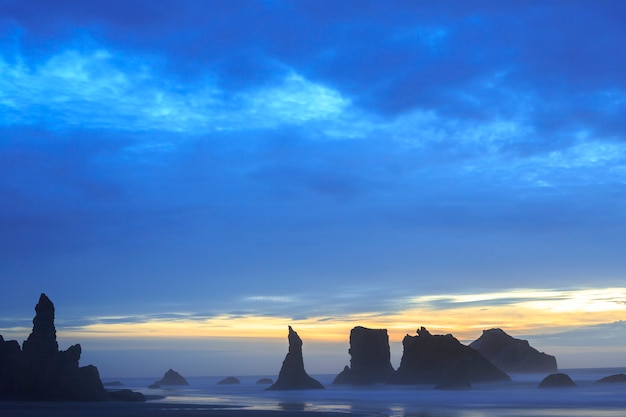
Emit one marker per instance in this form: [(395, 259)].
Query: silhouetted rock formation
[(344, 377), (171, 377), (265, 381), (427, 359), (292, 375), (557, 380), (231, 380), (370, 358), (39, 371), (511, 354), (127, 395), (613, 379), (455, 378)]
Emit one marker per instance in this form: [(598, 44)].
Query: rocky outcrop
[(265, 381), (613, 379), (39, 371), (428, 359), (292, 375), (511, 354), (127, 395), (370, 358), (454, 379), (557, 380), (230, 380), (171, 377)]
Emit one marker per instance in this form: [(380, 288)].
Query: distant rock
[(344, 377), (127, 395), (39, 371), (370, 358), (265, 381), (113, 384), (292, 375), (231, 380), (613, 379), (154, 386), (427, 359), (513, 355), (557, 380), (171, 377)]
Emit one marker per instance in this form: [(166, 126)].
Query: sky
[(185, 179)]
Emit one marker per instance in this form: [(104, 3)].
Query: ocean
[(519, 398)]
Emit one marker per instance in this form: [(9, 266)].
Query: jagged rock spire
[(39, 371), (43, 339), (292, 375)]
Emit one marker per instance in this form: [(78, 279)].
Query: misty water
[(521, 397)]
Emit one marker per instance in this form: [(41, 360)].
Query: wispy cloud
[(101, 89), (272, 298), (518, 311)]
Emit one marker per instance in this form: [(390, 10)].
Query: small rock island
[(171, 377)]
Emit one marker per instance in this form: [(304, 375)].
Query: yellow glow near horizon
[(465, 316)]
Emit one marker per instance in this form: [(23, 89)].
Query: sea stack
[(613, 379), (292, 375), (229, 380), (39, 371), (513, 355), (558, 380), (430, 359), (370, 358), (171, 377)]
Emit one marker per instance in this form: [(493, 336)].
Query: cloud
[(578, 300), (97, 89), (286, 147), (271, 299)]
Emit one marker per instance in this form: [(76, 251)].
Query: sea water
[(517, 398)]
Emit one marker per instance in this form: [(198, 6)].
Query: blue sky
[(264, 163)]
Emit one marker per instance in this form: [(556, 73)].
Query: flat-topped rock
[(370, 358)]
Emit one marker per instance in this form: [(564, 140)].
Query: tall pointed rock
[(42, 341), (39, 371), (292, 375)]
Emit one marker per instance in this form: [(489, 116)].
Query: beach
[(204, 397), (148, 409)]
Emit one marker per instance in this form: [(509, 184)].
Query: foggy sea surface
[(518, 398)]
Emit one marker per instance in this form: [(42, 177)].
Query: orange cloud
[(465, 316)]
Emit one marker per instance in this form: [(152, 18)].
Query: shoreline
[(149, 409)]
